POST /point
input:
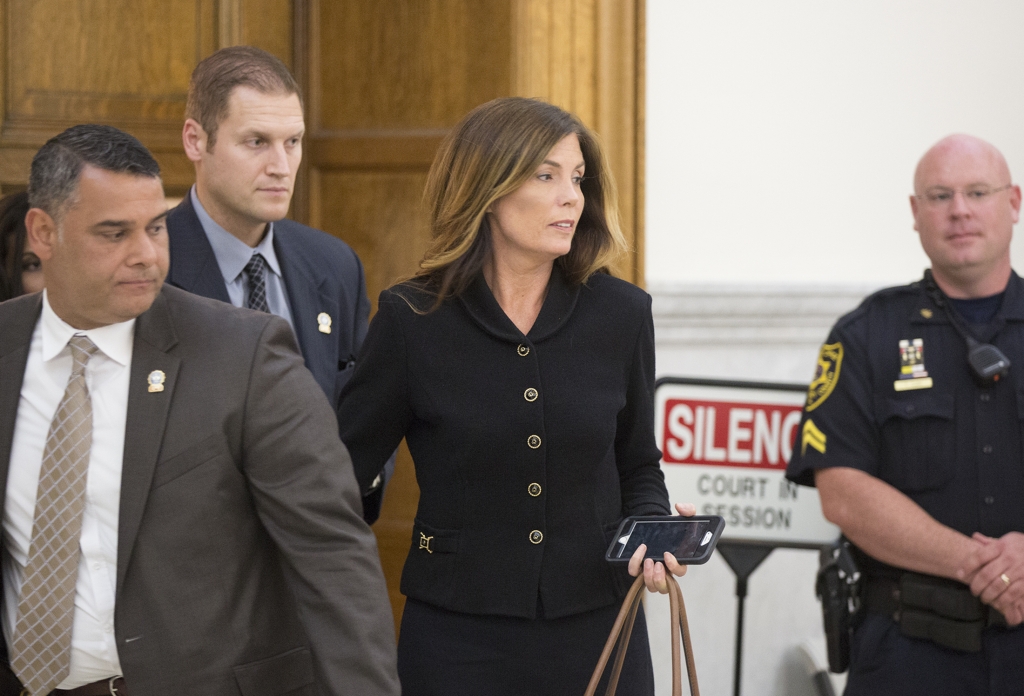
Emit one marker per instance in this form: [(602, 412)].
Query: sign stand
[(744, 560), (725, 445)]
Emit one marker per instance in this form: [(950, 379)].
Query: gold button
[(536, 536), (523, 350), (533, 441), (530, 394), (534, 489)]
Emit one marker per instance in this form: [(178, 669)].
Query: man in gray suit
[(179, 515)]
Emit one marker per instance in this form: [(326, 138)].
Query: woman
[(20, 269), (521, 376)]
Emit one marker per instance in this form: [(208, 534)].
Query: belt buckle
[(113, 689), (425, 542)]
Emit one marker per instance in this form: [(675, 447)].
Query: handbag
[(618, 640)]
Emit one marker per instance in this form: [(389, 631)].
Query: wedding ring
[(1005, 579)]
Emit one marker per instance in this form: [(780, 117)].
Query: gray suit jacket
[(244, 566)]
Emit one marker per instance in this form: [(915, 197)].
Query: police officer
[(917, 458)]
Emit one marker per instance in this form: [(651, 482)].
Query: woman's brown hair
[(493, 151), (12, 243)]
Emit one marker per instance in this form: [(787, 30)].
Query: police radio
[(988, 363)]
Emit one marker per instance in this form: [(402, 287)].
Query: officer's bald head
[(965, 206), (953, 150)]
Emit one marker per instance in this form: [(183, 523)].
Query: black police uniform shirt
[(893, 396), (529, 450)]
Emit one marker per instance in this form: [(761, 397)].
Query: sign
[(725, 446)]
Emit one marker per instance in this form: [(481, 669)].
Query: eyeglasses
[(939, 196)]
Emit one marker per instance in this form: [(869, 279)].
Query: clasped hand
[(654, 571), (995, 572)]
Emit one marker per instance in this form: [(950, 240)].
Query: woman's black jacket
[(529, 450)]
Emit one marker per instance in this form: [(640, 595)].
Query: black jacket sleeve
[(636, 454), (374, 411)]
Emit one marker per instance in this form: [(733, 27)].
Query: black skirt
[(446, 653)]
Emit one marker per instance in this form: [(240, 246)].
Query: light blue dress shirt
[(233, 254)]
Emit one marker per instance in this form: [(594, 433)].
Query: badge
[(830, 359), (323, 320), (156, 381), (926, 313), (912, 372), (812, 436)]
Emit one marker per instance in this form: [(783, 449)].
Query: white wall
[(782, 137), (754, 333), (785, 132)]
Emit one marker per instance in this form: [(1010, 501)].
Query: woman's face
[(31, 270), (536, 222)]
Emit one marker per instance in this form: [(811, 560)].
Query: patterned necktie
[(41, 647), (257, 284)]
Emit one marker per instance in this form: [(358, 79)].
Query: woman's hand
[(654, 572)]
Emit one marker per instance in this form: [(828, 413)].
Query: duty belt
[(932, 608)]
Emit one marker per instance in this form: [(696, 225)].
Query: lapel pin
[(323, 320), (156, 381)]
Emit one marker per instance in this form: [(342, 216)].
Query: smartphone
[(690, 539)]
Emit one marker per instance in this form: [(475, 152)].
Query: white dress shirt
[(93, 647), (233, 254)]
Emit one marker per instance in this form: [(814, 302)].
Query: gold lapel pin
[(323, 320), (156, 381)]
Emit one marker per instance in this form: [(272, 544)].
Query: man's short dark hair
[(216, 77), (53, 180)]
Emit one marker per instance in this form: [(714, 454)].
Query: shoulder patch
[(813, 437), (830, 359)]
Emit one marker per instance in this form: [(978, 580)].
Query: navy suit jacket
[(321, 275)]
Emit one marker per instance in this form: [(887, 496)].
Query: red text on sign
[(729, 434)]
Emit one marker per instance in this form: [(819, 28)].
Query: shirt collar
[(1012, 308), (1013, 301), (232, 253), (559, 304), (114, 340)]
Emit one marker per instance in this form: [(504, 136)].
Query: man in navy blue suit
[(228, 238)]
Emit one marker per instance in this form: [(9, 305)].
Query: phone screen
[(682, 538)]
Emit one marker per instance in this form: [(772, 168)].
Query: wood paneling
[(268, 24), (67, 63), (554, 57), (395, 64), (122, 62), (587, 57), (379, 215), (620, 115)]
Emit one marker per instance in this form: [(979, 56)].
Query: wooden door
[(122, 62), (383, 81)]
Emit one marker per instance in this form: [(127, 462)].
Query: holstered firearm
[(839, 588)]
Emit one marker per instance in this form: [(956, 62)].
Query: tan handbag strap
[(679, 617), (622, 629), (623, 644)]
